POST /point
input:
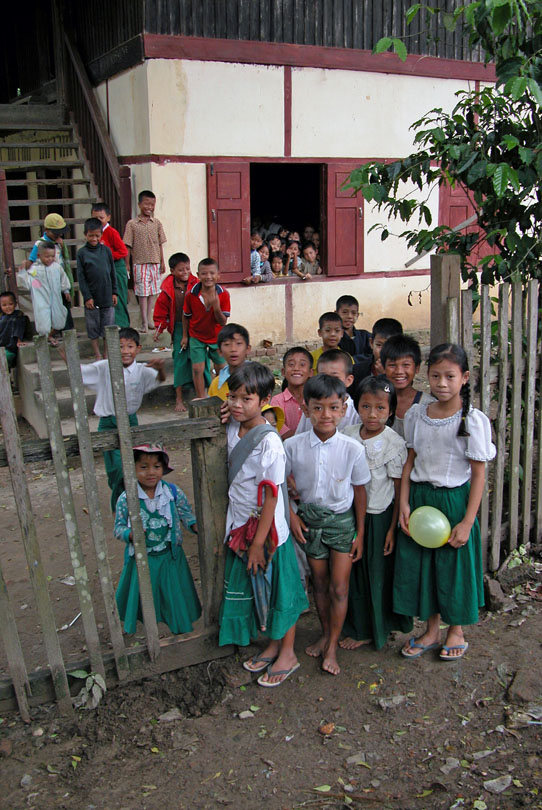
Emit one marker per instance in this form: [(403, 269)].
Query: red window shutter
[(344, 220), (228, 210), (455, 208)]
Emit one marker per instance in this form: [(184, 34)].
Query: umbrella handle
[(266, 483)]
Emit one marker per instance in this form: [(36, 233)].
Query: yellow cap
[(279, 415)]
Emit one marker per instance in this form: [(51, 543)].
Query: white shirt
[(326, 472), (139, 379), (267, 461), (399, 423), (442, 457), (386, 456), (351, 417)]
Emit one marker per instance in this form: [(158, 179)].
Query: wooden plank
[(178, 431), (175, 653), (67, 505), (529, 396), (445, 283), (500, 461), (209, 471), (38, 579), (452, 320), (466, 326), (14, 652), (123, 56), (485, 404), (6, 256), (93, 503), (32, 116), (130, 483), (538, 518), (515, 414)]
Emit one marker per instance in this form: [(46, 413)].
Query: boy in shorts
[(206, 310), (97, 283), (296, 370), (330, 472), (233, 343), (401, 358), (354, 341), (145, 238)]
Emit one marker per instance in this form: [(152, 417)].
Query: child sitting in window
[(309, 263), (293, 261)]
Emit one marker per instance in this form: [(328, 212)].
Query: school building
[(231, 111)]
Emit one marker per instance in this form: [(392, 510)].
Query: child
[(309, 263), (206, 310), (371, 365), (12, 326), (370, 615), (233, 344), (296, 370), (111, 238), (308, 231), (168, 314), (275, 243), (145, 238), (330, 329), (251, 462), (330, 473), (354, 341), (97, 283), (139, 379), (448, 444), (47, 282), (274, 415), (338, 364), (54, 228), (261, 271), (401, 358), (255, 242), (293, 266), (277, 265), (162, 507)]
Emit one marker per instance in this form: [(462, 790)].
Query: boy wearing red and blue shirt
[(206, 310)]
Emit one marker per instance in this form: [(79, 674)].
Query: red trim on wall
[(161, 46), (163, 160), (287, 111), (327, 279)]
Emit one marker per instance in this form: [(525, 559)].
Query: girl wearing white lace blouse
[(448, 443)]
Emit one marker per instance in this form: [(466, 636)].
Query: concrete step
[(30, 244), (164, 393), (150, 412), (27, 353)]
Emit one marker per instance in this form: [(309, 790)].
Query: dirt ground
[(401, 734)]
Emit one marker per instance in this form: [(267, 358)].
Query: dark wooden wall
[(330, 23), (26, 52)]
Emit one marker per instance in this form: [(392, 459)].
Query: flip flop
[(464, 647), (423, 648), (255, 659), (270, 673)]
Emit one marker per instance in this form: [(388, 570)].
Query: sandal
[(267, 661)]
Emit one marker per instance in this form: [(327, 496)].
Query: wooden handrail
[(94, 110)]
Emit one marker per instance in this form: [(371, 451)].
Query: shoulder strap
[(173, 489), (417, 397)]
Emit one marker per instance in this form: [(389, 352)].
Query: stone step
[(149, 413), (27, 353)]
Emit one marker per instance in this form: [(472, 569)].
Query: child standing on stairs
[(112, 238)]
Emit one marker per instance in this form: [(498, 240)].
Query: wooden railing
[(112, 180)]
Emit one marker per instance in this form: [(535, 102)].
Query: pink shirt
[(292, 410)]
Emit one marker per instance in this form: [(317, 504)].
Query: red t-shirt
[(111, 237), (203, 324)]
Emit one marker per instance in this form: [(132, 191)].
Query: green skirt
[(370, 598), (444, 580), (175, 599), (238, 619), (112, 459), (182, 367), (122, 318)]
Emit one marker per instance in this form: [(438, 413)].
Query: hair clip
[(387, 389)]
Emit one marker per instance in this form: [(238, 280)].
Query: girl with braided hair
[(449, 443)]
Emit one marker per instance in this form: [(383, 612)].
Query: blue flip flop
[(423, 648), (463, 647), (267, 661)]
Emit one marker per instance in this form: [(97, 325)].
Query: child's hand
[(184, 344), (357, 548), (156, 362), (68, 297), (115, 299), (162, 269), (292, 487), (194, 528), (9, 272), (297, 527), (378, 367), (157, 334), (225, 412), (404, 517), (460, 534), (256, 559), (90, 304), (389, 542)]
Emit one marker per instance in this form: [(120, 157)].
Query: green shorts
[(327, 531), (199, 351)]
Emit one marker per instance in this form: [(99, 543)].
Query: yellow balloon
[(429, 527)]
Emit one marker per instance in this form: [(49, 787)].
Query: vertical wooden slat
[(65, 494), (445, 283), (38, 579), (452, 320), (485, 402), (466, 325), (539, 462), (14, 652), (7, 245), (515, 412), (500, 461), (130, 485), (93, 503), (529, 403), (210, 475)]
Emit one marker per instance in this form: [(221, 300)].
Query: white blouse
[(267, 461), (386, 455), (442, 457), (399, 423)]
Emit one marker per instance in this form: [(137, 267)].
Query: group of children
[(282, 253)]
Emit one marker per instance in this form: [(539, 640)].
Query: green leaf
[(517, 87), (500, 179), (500, 16), (400, 49), (510, 141), (424, 793), (78, 673), (412, 11), (323, 788), (479, 805), (526, 155), (536, 91), (449, 20), (383, 45)]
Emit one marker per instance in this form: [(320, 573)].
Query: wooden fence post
[(500, 461), (466, 325), (210, 474), (445, 283), (130, 484), (515, 411), (452, 320), (14, 651), (485, 404), (529, 404)]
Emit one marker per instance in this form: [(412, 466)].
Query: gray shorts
[(97, 319)]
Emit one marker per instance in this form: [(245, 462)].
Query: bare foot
[(330, 663), (351, 643), (317, 649), (180, 407)]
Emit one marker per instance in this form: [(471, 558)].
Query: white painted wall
[(128, 119)]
